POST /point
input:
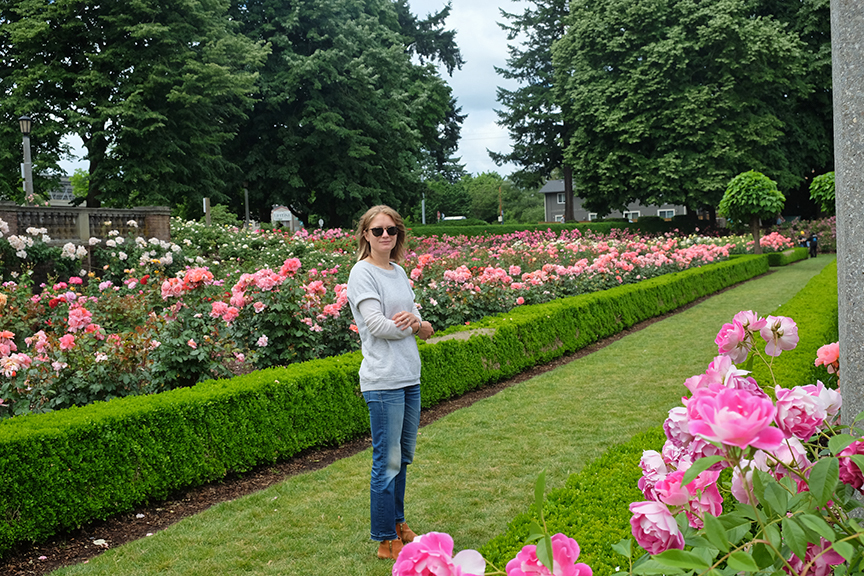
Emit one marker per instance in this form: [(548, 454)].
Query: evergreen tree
[(344, 115), (531, 113)]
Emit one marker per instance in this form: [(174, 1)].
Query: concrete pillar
[(847, 48)]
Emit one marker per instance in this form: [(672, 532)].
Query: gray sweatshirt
[(390, 356)]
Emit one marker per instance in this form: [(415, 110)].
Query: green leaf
[(544, 552), (698, 467), (818, 525), (839, 442), (794, 537), (777, 498), (772, 534), (653, 567), (624, 547), (539, 491), (858, 459), (714, 531), (681, 559), (535, 531), (763, 555), (736, 533), (742, 562), (760, 479), (845, 549)]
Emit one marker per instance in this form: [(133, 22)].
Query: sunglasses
[(391, 231)]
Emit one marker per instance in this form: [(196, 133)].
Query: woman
[(387, 320)]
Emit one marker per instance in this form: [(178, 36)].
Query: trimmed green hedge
[(66, 468), (815, 310), (492, 229), (593, 507), (787, 256)]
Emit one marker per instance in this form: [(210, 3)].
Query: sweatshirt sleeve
[(378, 325)]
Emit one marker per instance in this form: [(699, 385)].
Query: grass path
[(474, 469)]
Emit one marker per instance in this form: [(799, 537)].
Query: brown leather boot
[(389, 549), (405, 533)]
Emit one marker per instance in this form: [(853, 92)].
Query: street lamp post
[(27, 167)]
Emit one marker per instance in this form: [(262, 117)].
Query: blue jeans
[(394, 416)]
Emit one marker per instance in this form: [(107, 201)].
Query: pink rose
[(829, 356), (290, 267), (780, 333), (849, 471), (750, 321), (432, 555), (676, 428), (565, 552), (67, 342), (742, 482), (218, 308), (520, 300), (831, 400), (737, 417), (704, 497), (654, 528), (653, 470), (733, 342), (800, 412), (192, 344), (824, 556), (669, 490), (230, 314)]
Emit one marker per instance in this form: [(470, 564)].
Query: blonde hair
[(397, 253)]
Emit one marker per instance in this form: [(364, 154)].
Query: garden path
[(474, 469)]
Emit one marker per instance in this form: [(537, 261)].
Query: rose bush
[(220, 300), (752, 480)]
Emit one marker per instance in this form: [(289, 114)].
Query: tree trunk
[(568, 194), (754, 228)]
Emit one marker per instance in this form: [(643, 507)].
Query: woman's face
[(381, 244)]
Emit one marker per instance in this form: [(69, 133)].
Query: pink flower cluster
[(737, 338), (565, 552), (726, 414), (432, 555)]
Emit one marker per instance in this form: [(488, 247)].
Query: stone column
[(847, 52)]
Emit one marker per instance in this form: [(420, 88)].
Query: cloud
[(484, 45)]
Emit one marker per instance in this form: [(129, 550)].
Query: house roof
[(552, 187)]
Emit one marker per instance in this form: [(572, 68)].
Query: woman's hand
[(405, 320), (425, 330)]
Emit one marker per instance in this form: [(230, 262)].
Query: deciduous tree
[(671, 98)]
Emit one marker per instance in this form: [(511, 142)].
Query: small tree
[(822, 192), (749, 197)]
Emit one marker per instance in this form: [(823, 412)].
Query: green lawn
[(474, 469)]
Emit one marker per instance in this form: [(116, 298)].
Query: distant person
[(387, 320)]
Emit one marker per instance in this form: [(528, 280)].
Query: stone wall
[(78, 224)]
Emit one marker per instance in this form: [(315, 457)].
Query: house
[(553, 192)]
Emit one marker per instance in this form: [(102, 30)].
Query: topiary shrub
[(751, 196)]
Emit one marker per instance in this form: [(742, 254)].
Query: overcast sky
[(483, 45)]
